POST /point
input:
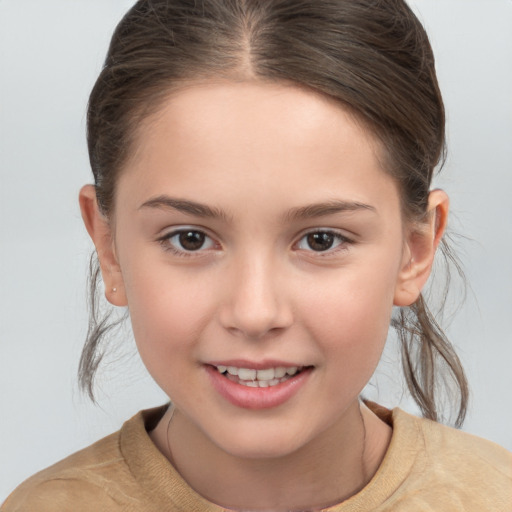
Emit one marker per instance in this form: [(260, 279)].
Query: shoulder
[(79, 478), (451, 448), (56, 495), (465, 448), (470, 472), (95, 478)]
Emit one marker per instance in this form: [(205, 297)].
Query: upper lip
[(255, 365)]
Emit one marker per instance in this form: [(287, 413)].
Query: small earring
[(114, 290)]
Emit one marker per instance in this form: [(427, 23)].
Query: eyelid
[(164, 241), (345, 241), (170, 232)]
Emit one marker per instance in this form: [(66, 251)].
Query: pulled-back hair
[(372, 56)]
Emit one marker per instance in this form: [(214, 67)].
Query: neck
[(328, 470)]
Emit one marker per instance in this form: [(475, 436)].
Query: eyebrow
[(185, 206), (303, 212), (328, 208)]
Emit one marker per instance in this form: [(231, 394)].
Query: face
[(260, 248)]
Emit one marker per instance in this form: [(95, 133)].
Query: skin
[(257, 154)]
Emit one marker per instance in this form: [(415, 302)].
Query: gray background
[(50, 54)]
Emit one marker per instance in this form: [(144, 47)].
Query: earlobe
[(420, 248), (100, 232)]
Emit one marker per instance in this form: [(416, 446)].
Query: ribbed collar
[(167, 490)]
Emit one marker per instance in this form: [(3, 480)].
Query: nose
[(256, 303)]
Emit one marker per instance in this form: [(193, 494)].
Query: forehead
[(215, 140), (262, 108)]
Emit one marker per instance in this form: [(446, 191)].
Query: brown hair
[(373, 56)]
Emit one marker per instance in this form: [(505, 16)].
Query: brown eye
[(321, 241), (186, 241), (191, 240)]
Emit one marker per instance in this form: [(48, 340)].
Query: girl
[(261, 202)]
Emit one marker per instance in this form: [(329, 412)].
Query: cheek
[(168, 313), (349, 317)]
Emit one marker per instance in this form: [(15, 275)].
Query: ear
[(100, 232), (421, 244)]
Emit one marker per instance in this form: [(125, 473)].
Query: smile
[(263, 378), (262, 387)]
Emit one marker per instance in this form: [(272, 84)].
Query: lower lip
[(257, 398)]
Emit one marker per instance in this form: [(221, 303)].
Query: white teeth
[(267, 374), (279, 372), (259, 378), (246, 374)]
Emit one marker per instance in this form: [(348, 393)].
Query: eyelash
[(165, 242), (342, 242)]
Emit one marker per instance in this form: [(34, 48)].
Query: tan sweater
[(428, 467)]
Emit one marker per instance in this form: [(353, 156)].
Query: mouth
[(261, 378), (262, 385)]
